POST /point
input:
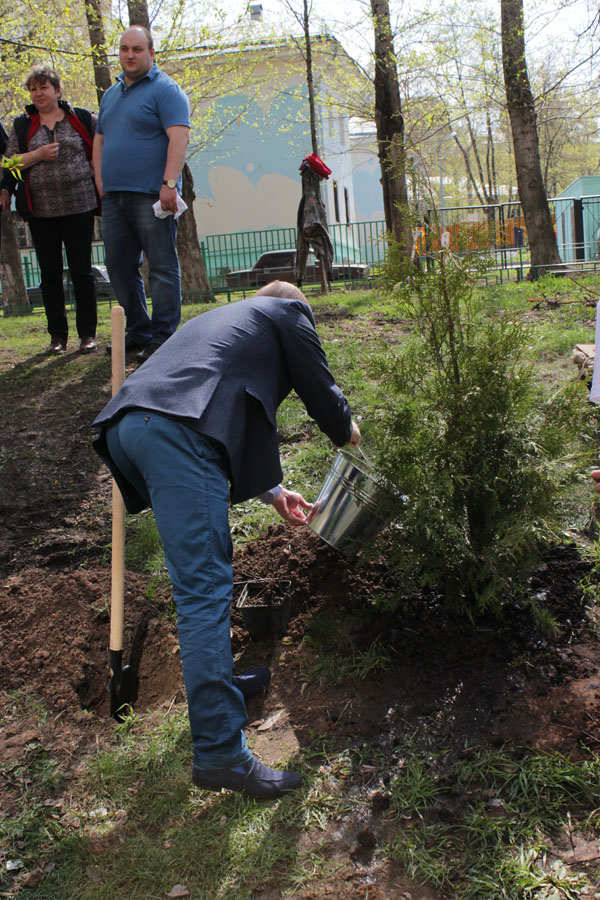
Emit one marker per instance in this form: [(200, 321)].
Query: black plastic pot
[(268, 620)]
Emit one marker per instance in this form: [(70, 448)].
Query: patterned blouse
[(63, 186)]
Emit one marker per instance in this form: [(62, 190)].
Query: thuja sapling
[(465, 431)]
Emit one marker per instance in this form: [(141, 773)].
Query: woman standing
[(58, 198)]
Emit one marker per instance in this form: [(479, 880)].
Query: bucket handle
[(366, 458)]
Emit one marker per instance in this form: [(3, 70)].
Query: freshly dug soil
[(492, 683)]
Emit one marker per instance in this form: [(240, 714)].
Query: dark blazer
[(225, 373)]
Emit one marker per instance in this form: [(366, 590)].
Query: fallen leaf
[(33, 878), (101, 811), (69, 819), (584, 851), (272, 719), (99, 844), (178, 890), (93, 875)]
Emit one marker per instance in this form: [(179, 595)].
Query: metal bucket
[(348, 510)]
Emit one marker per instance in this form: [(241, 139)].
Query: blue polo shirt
[(133, 121)]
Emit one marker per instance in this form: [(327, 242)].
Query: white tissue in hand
[(161, 213)]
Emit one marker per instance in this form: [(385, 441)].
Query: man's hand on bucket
[(289, 505), (355, 435), (596, 479)]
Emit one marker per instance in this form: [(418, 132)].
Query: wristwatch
[(170, 183)]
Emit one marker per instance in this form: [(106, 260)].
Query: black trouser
[(76, 232)]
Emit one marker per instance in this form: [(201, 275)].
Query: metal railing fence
[(31, 268), (498, 229), (354, 242)]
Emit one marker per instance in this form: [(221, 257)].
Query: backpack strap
[(81, 120), (23, 130)]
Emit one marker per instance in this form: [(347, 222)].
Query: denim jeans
[(128, 227), (183, 475), (76, 232)]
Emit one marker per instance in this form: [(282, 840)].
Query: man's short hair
[(281, 289), (40, 74), (146, 31)]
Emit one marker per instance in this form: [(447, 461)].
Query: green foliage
[(143, 547), (13, 164), (468, 436)]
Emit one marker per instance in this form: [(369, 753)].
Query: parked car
[(104, 289), (279, 265)]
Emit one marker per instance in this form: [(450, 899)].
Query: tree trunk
[(138, 13), (95, 23), (521, 109), (390, 130), (310, 81), (14, 293), (194, 278)]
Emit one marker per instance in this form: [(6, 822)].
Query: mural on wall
[(248, 178), (235, 202)]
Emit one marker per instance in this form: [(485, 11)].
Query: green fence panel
[(240, 249), (497, 229)]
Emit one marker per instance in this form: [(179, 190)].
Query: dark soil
[(486, 685)]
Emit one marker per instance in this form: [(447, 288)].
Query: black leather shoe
[(252, 681), (253, 778), (147, 352), (131, 344)]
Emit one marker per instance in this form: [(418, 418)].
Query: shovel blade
[(122, 686)]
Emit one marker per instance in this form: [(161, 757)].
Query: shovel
[(123, 683)]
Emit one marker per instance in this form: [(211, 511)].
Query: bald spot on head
[(282, 289), (134, 32)]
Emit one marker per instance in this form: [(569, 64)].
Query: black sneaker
[(252, 778), (147, 352)]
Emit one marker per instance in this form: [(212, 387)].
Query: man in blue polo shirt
[(139, 152)]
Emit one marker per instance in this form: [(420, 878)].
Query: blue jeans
[(183, 476), (128, 227)]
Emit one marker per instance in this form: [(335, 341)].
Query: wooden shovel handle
[(117, 588)]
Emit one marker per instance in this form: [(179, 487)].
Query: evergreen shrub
[(467, 434)]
